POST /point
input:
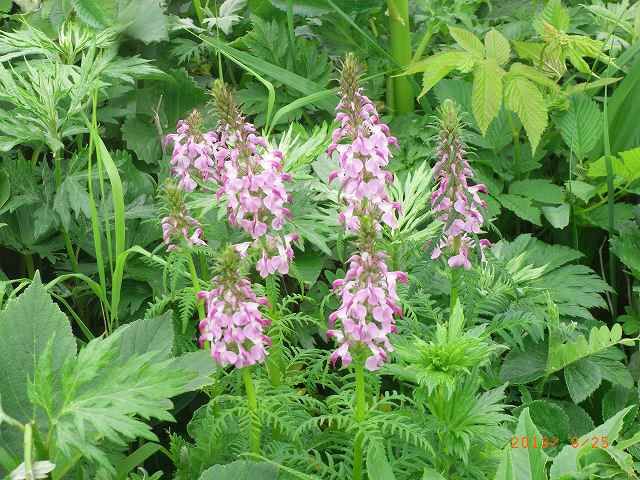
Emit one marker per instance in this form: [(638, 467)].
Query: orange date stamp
[(533, 441)]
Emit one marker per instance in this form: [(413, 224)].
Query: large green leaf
[(241, 470), (539, 189), (521, 206), (582, 378), (581, 125), (566, 464), (497, 46), (486, 95), (467, 41), (27, 324), (96, 13), (438, 66), (148, 335), (378, 467), (524, 463), (524, 98)]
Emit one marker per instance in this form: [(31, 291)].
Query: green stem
[(404, 96), (28, 458), (424, 43), (197, 6), (57, 165), (360, 415), (196, 286), (610, 203), (252, 401), (455, 283), (28, 264)]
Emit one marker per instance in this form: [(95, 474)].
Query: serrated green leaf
[(486, 95), (539, 189), (582, 378), (95, 13), (5, 189), (583, 190), (468, 41), (522, 207), (524, 99), (497, 46), (142, 137), (146, 20), (553, 13), (581, 125), (533, 74), (27, 324), (438, 66)]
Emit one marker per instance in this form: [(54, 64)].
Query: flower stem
[(360, 415), (404, 99), (254, 434), (196, 285), (455, 283)]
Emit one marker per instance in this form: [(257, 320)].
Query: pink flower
[(369, 305), (234, 325), (179, 228), (362, 159), (457, 203), (193, 152)]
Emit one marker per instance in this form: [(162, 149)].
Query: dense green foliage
[(523, 367)]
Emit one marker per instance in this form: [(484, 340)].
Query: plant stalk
[(360, 415), (610, 203), (455, 283), (57, 165), (197, 6), (403, 93), (196, 286), (252, 401)]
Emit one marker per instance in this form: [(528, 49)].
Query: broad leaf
[(581, 125), (378, 467), (582, 378), (524, 98), (497, 46), (96, 13), (557, 216), (522, 207), (539, 189), (486, 96), (524, 463), (467, 41), (27, 325)]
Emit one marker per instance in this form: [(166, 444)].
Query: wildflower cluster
[(193, 152), (252, 180), (456, 202), (369, 301), (234, 326)]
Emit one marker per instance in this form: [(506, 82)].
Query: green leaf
[(582, 190), (148, 335), (581, 125), (539, 189), (558, 216), (241, 470), (430, 474), (497, 47), (142, 137), (525, 99), (98, 14), (467, 41), (582, 378), (566, 463), (5, 5), (486, 95), (378, 467), (521, 206), (524, 366), (146, 20), (438, 66), (200, 363), (524, 463), (136, 459), (553, 13), (550, 418), (27, 325), (533, 74), (5, 189), (308, 265)]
